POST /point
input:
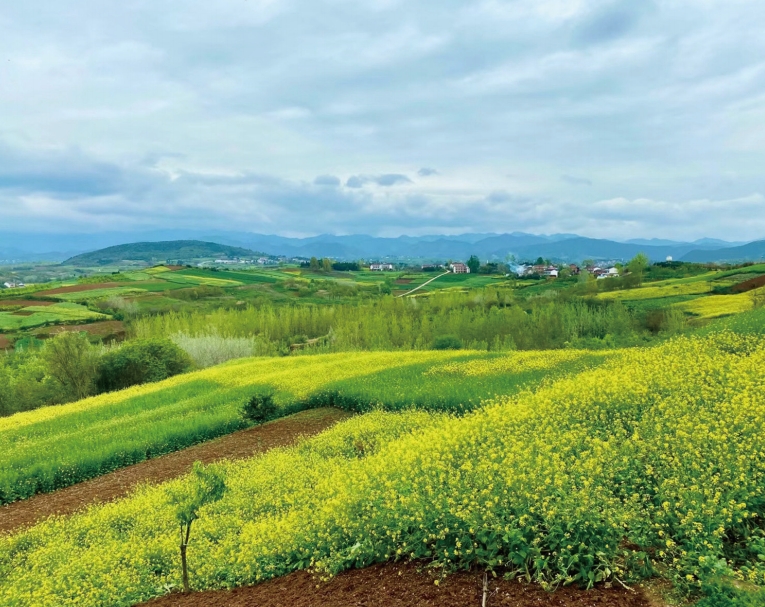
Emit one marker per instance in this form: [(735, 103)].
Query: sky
[(606, 118)]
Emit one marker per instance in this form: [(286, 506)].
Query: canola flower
[(653, 462), (54, 447)]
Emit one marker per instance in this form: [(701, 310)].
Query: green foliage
[(487, 319), (474, 264), (447, 342), (205, 486), (720, 593), (139, 362), (260, 408), (71, 360)]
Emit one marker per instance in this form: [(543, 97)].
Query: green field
[(36, 316)]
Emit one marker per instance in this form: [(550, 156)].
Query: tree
[(637, 266), (71, 360), (326, 265), (474, 264), (205, 486), (139, 362), (314, 264)]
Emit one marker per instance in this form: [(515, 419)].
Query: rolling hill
[(155, 252)]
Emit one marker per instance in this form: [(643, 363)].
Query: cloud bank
[(608, 118)]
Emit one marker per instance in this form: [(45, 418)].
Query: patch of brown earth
[(749, 285), (25, 302), (239, 445), (22, 313), (105, 328), (79, 288), (5, 343), (395, 585)]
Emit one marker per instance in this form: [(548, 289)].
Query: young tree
[(637, 266), (71, 360), (205, 486), (314, 264), (326, 265), (474, 264)]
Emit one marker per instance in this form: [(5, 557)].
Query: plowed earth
[(5, 343), (239, 445), (79, 288), (394, 585), (103, 328)]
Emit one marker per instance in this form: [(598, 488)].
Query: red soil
[(25, 302), (79, 288), (104, 328), (114, 485), (749, 285), (395, 585), (5, 343)]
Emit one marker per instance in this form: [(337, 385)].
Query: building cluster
[(13, 285), (381, 267)]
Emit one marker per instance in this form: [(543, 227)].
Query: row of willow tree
[(487, 320)]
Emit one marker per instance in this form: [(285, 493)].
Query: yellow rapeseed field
[(653, 463)]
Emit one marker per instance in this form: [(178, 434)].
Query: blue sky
[(614, 119)]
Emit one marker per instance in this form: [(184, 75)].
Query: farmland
[(633, 465), (57, 446)]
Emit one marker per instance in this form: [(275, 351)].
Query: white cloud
[(613, 117)]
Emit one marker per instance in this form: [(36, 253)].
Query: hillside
[(153, 252), (754, 251)]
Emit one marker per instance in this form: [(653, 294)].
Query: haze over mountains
[(561, 247)]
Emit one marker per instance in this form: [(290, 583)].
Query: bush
[(447, 342), (260, 408), (140, 362), (209, 350)]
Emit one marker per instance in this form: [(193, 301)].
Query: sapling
[(206, 485)]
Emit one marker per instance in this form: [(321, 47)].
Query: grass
[(55, 447), (644, 466), (651, 291), (36, 316)]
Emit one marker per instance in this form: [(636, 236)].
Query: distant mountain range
[(559, 247)]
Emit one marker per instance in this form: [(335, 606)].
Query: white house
[(459, 268), (381, 267)]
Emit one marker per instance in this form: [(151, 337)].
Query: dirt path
[(238, 445), (422, 285), (394, 585)]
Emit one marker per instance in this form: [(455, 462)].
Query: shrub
[(260, 408), (447, 342), (139, 362), (209, 350)]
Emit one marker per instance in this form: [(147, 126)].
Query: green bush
[(140, 362), (260, 408), (721, 594), (447, 342)]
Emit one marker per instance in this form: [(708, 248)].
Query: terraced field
[(636, 465)]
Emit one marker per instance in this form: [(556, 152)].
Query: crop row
[(55, 447), (651, 463)]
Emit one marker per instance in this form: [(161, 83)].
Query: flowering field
[(718, 305), (55, 447), (645, 465)]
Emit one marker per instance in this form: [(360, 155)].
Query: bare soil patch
[(79, 288), (239, 445), (5, 343), (105, 328), (22, 313), (396, 585), (749, 285), (25, 302), (404, 281)]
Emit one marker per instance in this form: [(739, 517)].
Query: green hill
[(155, 252)]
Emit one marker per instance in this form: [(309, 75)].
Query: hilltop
[(155, 252)]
